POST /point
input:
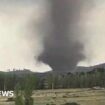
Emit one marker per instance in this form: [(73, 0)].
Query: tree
[(19, 97), (28, 89)]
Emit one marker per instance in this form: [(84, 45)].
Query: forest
[(51, 80)]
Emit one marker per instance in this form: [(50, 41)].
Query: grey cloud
[(62, 50)]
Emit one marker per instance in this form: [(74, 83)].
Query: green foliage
[(23, 96), (28, 89), (28, 86), (18, 94), (19, 100), (29, 101)]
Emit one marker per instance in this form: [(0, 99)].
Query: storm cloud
[(62, 47)]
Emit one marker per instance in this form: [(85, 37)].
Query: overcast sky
[(16, 49), (94, 31)]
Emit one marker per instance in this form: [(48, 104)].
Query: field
[(61, 96)]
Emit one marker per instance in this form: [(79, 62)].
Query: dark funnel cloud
[(62, 50)]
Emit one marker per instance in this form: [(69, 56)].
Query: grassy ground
[(61, 96), (81, 96)]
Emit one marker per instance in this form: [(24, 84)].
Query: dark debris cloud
[(62, 50)]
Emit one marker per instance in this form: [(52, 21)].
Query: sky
[(18, 50), (94, 32)]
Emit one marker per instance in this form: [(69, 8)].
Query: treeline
[(77, 80), (8, 81)]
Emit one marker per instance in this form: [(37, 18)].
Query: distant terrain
[(77, 69), (87, 69)]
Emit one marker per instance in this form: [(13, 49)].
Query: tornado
[(62, 49)]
